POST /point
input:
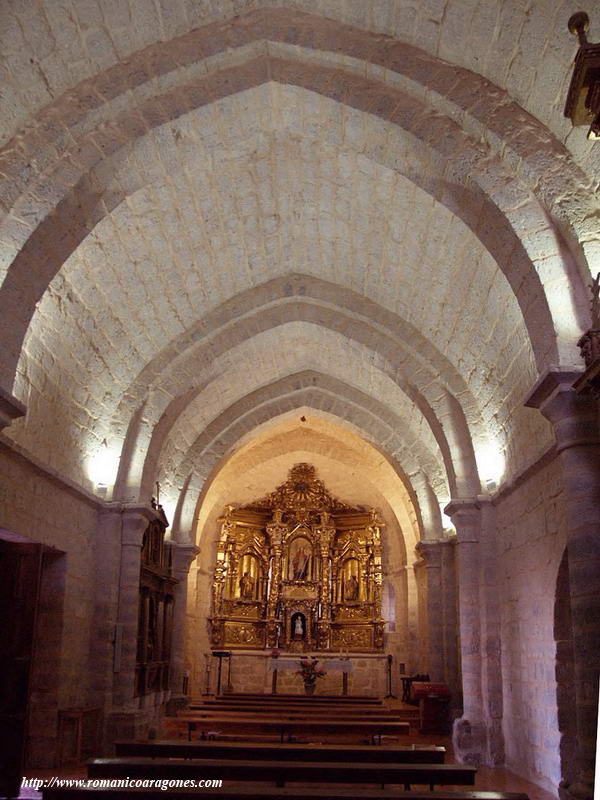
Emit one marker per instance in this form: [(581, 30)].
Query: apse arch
[(384, 426), (196, 475), (322, 435), (351, 469)]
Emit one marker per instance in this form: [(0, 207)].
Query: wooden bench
[(250, 792), (287, 714), (411, 754), (315, 725), (230, 708), (298, 700), (285, 771), (291, 698), (314, 698), (352, 697)]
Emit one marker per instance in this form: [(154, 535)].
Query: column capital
[(10, 408), (462, 508), (573, 415), (551, 383), (135, 521), (466, 516), (430, 551), (182, 557)]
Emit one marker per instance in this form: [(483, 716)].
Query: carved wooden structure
[(155, 612), (298, 570), (583, 100)]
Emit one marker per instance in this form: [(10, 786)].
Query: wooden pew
[(411, 754), (282, 772), (307, 703), (314, 725), (306, 698), (350, 697), (314, 698), (286, 714), (251, 792), (291, 708)]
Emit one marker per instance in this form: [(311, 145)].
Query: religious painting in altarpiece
[(298, 570)]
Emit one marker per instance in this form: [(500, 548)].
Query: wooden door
[(20, 569)]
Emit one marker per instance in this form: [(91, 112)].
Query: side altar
[(298, 570)]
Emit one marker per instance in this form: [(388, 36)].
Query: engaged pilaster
[(575, 420), (438, 563), (469, 735), (182, 557)]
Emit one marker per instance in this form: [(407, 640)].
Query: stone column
[(452, 667), (430, 553), (182, 557), (491, 645), (423, 647), (438, 564), (10, 409), (469, 736), (575, 420)]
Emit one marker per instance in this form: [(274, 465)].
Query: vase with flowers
[(309, 672)]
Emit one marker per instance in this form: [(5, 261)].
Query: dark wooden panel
[(20, 568), (272, 752)]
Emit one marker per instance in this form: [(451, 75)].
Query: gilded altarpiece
[(298, 570)]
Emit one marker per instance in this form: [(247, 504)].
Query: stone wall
[(37, 508), (74, 661), (530, 544)]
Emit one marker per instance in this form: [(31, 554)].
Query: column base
[(580, 790), (178, 702), (470, 742), (125, 725)]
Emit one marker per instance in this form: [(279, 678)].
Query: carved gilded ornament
[(294, 561)]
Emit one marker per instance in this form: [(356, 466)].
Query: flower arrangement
[(309, 672)]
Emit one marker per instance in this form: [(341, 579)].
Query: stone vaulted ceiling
[(214, 214)]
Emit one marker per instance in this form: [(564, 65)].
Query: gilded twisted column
[(326, 535), (275, 531)]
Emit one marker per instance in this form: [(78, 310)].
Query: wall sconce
[(583, 100)]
